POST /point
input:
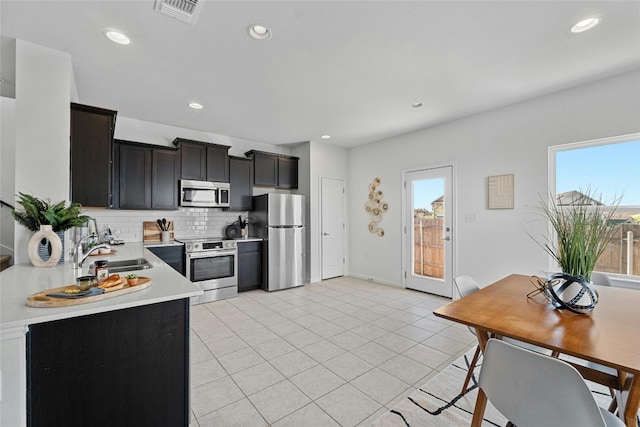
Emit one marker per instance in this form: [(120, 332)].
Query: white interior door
[(332, 227), (428, 230)]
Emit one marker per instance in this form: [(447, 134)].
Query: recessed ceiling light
[(417, 105), (259, 32), (116, 36), (326, 137), (195, 105), (584, 25)]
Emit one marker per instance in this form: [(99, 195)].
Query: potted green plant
[(582, 230), (36, 214)]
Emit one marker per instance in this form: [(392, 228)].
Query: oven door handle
[(210, 254)]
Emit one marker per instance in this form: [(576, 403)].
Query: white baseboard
[(377, 280)]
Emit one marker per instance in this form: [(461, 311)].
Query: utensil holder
[(166, 236)]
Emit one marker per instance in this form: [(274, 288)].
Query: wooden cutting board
[(151, 231), (41, 300)]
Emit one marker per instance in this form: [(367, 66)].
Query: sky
[(611, 170), (425, 192)]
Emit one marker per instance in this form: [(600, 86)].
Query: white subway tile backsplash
[(187, 222)]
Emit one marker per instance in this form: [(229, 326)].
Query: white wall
[(42, 128), (327, 161), (7, 172), (513, 139), (303, 152)]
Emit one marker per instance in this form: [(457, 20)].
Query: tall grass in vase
[(582, 232)]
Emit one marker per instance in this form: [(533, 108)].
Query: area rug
[(440, 403)]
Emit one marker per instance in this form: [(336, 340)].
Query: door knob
[(325, 234), (446, 238)]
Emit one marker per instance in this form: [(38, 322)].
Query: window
[(610, 168)]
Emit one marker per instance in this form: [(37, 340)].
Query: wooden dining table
[(609, 335)]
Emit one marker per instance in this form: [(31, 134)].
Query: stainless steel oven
[(212, 264)]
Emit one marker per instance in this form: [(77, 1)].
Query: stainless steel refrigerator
[(279, 219)]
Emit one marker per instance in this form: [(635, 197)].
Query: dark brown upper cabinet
[(92, 155), (241, 184), (165, 174), (274, 170), (203, 161), (287, 172), (147, 176)]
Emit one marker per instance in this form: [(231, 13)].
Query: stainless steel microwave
[(204, 194)]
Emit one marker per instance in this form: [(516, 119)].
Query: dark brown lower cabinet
[(126, 367), (249, 265)]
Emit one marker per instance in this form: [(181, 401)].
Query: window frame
[(621, 280)]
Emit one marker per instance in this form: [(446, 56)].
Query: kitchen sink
[(129, 265)]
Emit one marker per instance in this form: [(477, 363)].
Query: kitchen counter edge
[(22, 280)]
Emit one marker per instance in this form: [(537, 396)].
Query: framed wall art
[(500, 189)]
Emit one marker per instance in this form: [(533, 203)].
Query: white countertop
[(22, 280)]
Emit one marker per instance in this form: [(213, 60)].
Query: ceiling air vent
[(184, 10)]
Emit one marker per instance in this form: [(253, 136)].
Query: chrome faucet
[(78, 259)]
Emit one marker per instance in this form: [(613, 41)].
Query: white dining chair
[(466, 285), (534, 390)]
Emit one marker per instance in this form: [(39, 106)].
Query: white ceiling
[(350, 69)]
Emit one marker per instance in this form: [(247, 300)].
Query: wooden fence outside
[(428, 248), (615, 257)]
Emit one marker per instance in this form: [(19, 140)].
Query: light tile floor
[(336, 353)]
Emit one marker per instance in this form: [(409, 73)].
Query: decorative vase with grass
[(48, 222), (581, 233), (243, 223)]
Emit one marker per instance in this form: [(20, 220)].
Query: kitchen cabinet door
[(287, 172), (203, 161), (193, 161), (249, 265), (92, 155), (134, 176), (127, 367), (241, 183), (265, 170), (165, 175), (274, 170), (218, 163)]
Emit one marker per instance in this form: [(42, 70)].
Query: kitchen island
[(119, 361)]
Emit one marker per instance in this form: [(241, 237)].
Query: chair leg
[(613, 406), (472, 366)]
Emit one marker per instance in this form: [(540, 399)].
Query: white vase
[(44, 248), (45, 232)]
